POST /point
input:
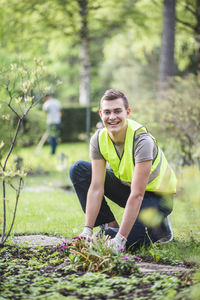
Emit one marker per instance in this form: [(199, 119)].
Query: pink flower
[(126, 257), (65, 242), (136, 257), (63, 247), (121, 249)]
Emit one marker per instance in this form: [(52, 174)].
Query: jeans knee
[(79, 170), (73, 170)]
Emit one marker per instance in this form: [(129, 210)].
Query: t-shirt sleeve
[(145, 148), (44, 107), (94, 147)]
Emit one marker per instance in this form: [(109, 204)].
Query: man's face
[(114, 114)]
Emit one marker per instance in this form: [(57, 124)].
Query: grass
[(45, 206)]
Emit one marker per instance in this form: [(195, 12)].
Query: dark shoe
[(105, 230), (165, 234), (110, 233), (100, 233)]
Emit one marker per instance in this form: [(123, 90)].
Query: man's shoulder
[(94, 137), (55, 101), (144, 136)]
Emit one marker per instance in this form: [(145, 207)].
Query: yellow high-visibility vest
[(162, 178)]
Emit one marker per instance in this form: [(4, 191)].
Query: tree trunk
[(166, 69), (84, 89), (197, 35)]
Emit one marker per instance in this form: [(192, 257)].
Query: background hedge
[(73, 126)]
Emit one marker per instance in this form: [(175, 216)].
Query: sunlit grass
[(43, 160), (186, 214)]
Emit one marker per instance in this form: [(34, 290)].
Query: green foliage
[(43, 273), (124, 42), (181, 115), (175, 121), (32, 129)]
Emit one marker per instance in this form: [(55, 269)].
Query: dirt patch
[(33, 241)]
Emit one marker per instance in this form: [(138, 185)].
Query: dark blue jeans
[(53, 130), (80, 174), (53, 144)]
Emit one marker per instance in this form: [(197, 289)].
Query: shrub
[(73, 126), (32, 128)]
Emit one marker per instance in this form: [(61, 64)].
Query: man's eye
[(118, 111), (106, 112)]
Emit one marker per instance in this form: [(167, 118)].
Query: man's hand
[(117, 243), (86, 234)]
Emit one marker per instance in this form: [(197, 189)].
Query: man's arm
[(95, 192), (138, 186)]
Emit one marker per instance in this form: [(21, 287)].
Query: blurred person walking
[(52, 107)]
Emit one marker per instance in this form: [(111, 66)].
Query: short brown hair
[(113, 95)]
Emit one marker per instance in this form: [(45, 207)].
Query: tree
[(166, 69), (189, 18), (19, 83)]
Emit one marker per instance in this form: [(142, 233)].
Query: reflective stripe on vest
[(162, 178)]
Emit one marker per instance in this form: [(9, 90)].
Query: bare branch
[(185, 23), (12, 186), (13, 142), (15, 210), (13, 110), (4, 212), (9, 91), (188, 7)]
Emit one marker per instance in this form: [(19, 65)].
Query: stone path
[(145, 267), (162, 269), (37, 239)]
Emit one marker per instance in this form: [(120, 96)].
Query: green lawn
[(45, 205)]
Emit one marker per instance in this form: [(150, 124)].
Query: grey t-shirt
[(144, 148)]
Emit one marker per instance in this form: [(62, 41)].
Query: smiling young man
[(128, 167)]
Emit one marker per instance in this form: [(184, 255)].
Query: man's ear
[(100, 113), (128, 111)]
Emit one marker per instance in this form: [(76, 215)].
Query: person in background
[(52, 107), (129, 168)]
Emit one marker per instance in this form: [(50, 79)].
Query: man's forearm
[(130, 214), (94, 200), (138, 186)]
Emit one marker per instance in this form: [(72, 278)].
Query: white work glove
[(117, 243), (87, 233)]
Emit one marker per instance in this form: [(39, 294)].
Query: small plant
[(18, 85), (96, 256)]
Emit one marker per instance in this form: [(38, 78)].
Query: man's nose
[(112, 115)]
